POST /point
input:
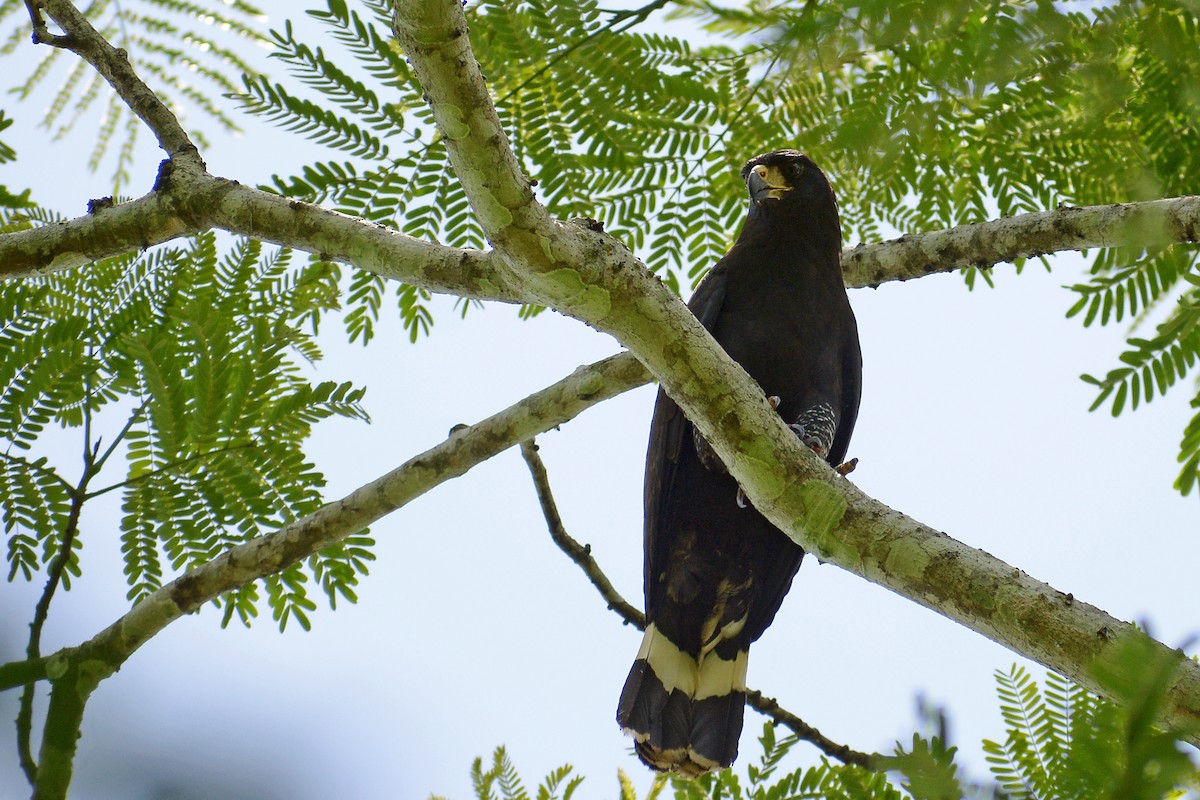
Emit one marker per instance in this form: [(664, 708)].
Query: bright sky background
[(474, 631)]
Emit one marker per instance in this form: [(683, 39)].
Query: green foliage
[(764, 780), (188, 361), (1153, 365), (1064, 743), (925, 115), (1061, 743), (502, 782), (929, 769), (8, 199), (761, 780), (184, 49)]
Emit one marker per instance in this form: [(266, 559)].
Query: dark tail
[(684, 714)]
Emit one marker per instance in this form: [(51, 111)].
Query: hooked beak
[(764, 183)]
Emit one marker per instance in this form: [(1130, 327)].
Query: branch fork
[(593, 278), (828, 516)]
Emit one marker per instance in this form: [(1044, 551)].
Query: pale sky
[(473, 631)]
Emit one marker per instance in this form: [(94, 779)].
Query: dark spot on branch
[(588, 223), (162, 181)]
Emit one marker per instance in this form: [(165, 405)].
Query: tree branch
[(770, 707), (195, 201), (596, 280), (186, 200), (434, 37), (592, 279), (64, 719), (33, 650), (19, 673), (269, 554), (39, 775), (582, 556), (1141, 225), (113, 65)]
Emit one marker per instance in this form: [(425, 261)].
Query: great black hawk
[(716, 570)]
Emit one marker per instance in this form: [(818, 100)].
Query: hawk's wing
[(670, 432), (851, 394)]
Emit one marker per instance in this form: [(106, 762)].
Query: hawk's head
[(785, 175)]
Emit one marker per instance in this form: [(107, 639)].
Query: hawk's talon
[(813, 443), (846, 468), (714, 578)]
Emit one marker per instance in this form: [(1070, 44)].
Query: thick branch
[(582, 556), (103, 233), (188, 200), (202, 202), (983, 244), (596, 280), (433, 33), (269, 554), (113, 65), (64, 719), (603, 285)]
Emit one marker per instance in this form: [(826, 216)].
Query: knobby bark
[(74, 672), (582, 556), (188, 200), (570, 270), (595, 279)]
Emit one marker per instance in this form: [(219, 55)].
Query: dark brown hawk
[(716, 570)]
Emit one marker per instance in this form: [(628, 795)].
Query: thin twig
[(634, 16), (41, 33), (771, 708), (99, 460), (581, 554), (33, 649), (170, 467), (114, 66), (93, 461), (19, 673)]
